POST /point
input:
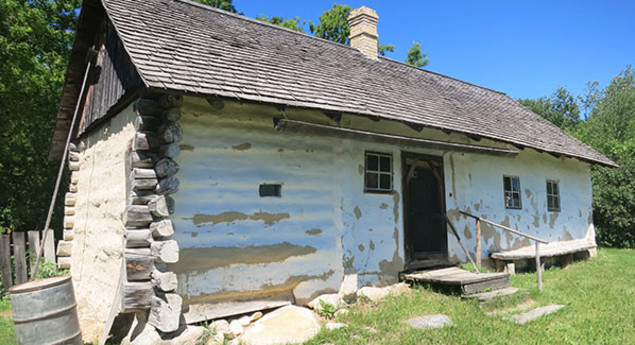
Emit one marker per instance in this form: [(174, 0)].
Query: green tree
[(35, 42), (333, 24), (291, 23), (560, 108), (416, 57), (610, 129), (383, 49), (226, 5)]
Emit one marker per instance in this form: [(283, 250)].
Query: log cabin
[(221, 165)]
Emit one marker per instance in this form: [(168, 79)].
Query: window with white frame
[(553, 195), (511, 185), (378, 177)]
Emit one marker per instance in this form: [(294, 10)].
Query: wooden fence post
[(5, 261), (538, 266), (19, 256), (33, 238), (49, 246), (478, 243)]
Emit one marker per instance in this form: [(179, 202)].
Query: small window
[(378, 172), (511, 185), (268, 189), (553, 196)]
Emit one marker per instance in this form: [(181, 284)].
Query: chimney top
[(363, 36)]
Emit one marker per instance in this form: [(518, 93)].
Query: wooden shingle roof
[(180, 45)]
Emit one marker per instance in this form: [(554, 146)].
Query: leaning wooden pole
[(59, 175), (479, 253), (458, 238), (538, 266)]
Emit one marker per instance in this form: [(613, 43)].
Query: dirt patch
[(6, 314)]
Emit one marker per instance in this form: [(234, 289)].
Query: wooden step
[(499, 298), (460, 280)]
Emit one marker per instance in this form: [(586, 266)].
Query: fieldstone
[(287, 325), (398, 289), (255, 316), (374, 294), (332, 299), (220, 326), (342, 311), (244, 321), (348, 289), (430, 321), (535, 313), (147, 336), (216, 339), (235, 329), (190, 336), (334, 325)]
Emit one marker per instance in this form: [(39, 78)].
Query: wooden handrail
[(506, 228)]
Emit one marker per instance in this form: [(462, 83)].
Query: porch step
[(499, 298), (459, 280)]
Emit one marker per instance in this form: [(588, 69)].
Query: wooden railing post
[(478, 243), (538, 266)]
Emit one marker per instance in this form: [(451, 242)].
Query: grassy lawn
[(599, 295), (7, 336)]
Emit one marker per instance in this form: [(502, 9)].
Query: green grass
[(7, 335), (599, 295)]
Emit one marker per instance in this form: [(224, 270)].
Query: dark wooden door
[(424, 207)]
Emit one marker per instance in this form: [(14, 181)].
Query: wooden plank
[(137, 296), (201, 312), (33, 237), (49, 245), (19, 257), (139, 264), (5, 261)]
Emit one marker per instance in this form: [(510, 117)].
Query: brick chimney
[(363, 36)]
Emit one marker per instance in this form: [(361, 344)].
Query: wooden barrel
[(45, 312)]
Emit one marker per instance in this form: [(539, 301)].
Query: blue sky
[(526, 49)]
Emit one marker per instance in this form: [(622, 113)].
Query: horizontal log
[(168, 185), (72, 147), (73, 188), (169, 150), (64, 263), (171, 101), (146, 123), (141, 159), (137, 296), (73, 156), (161, 206), (163, 228), (70, 199), (69, 222), (166, 167), (138, 238), (165, 312), (138, 215), (64, 248), (69, 210), (144, 184), (144, 106), (73, 166), (170, 133), (142, 197), (139, 264), (146, 141), (74, 177), (69, 235), (172, 115), (164, 281), (165, 251), (140, 173)]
